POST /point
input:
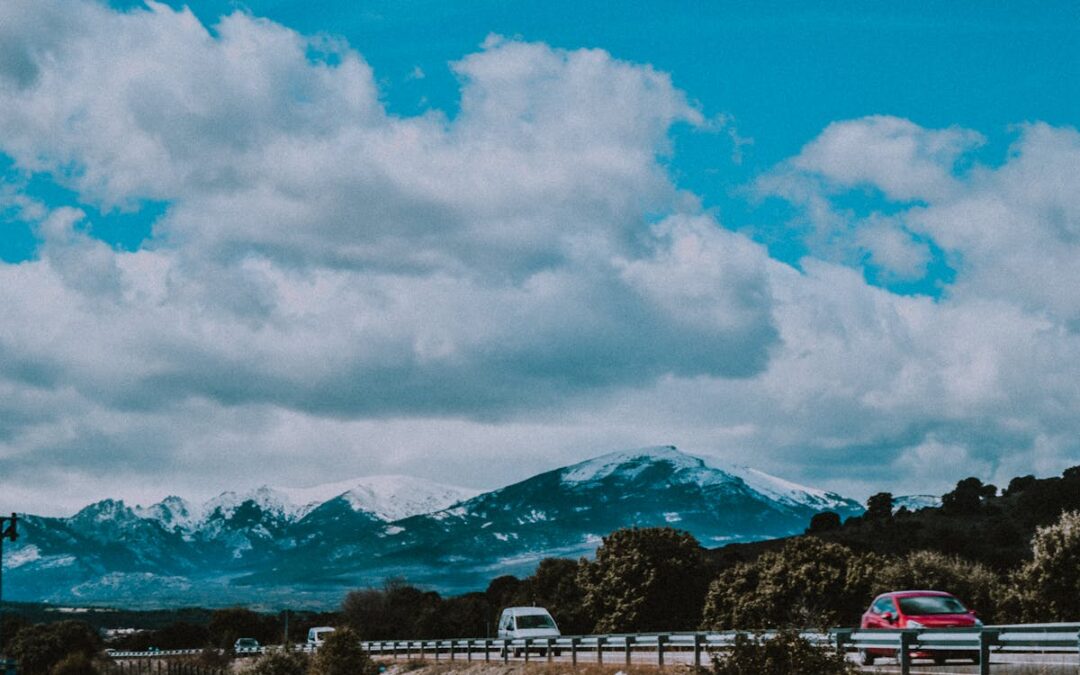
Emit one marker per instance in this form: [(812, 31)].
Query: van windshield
[(534, 621)]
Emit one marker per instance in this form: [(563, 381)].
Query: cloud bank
[(335, 290)]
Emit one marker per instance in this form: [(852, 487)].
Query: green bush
[(786, 653), (74, 664), (808, 583), (39, 647), (341, 654), (285, 662)]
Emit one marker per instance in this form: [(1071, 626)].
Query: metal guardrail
[(242, 651), (904, 644), (975, 643)]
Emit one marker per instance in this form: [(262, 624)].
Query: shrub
[(74, 664), (974, 583), (285, 662), (783, 654), (1050, 582), (40, 647), (341, 654)]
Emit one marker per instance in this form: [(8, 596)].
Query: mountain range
[(278, 547)]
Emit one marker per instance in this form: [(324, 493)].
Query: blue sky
[(295, 242)]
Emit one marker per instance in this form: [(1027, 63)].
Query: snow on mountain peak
[(387, 497), (628, 463), (173, 513), (397, 497), (268, 499), (704, 472)]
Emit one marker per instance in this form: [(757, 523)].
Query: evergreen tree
[(645, 579)]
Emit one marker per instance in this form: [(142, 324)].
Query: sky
[(289, 243)]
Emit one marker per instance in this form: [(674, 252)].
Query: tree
[(1020, 484), (826, 521), (555, 586), (968, 496), (226, 625), (1050, 582), (397, 610), (879, 506), (341, 654), (39, 647), (808, 583), (645, 579), (976, 584)]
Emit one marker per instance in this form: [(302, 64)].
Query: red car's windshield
[(931, 604)]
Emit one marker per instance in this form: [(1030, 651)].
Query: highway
[(1025, 664)]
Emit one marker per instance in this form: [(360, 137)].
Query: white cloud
[(425, 294)]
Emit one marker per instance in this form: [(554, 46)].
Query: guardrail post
[(451, 650), (487, 651), (505, 651), (550, 649), (698, 640), (843, 636), (986, 639), (660, 640), (906, 638), (600, 649), (628, 645), (573, 651)]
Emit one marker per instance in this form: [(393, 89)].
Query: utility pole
[(8, 530)]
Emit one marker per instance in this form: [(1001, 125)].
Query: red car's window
[(931, 604), (883, 605)]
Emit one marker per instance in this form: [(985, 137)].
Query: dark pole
[(7, 531)]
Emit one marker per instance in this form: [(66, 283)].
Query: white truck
[(317, 635)]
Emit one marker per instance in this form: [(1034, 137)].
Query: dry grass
[(465, 668)]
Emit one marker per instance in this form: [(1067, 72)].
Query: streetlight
[(7, 531)]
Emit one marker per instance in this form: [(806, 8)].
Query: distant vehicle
[(316, 636), (527, 622), (917, 609), (245, 644)]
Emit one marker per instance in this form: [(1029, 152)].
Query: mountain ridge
[(266, 544)]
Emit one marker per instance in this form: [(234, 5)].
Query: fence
[(695, 647)]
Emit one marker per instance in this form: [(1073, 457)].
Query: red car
[(917, 609)]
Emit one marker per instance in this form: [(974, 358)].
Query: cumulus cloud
[(433, 294)]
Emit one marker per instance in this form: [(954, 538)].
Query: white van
[(316, 636), (527, 622)]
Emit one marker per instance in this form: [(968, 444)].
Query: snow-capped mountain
[(311, 545)]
